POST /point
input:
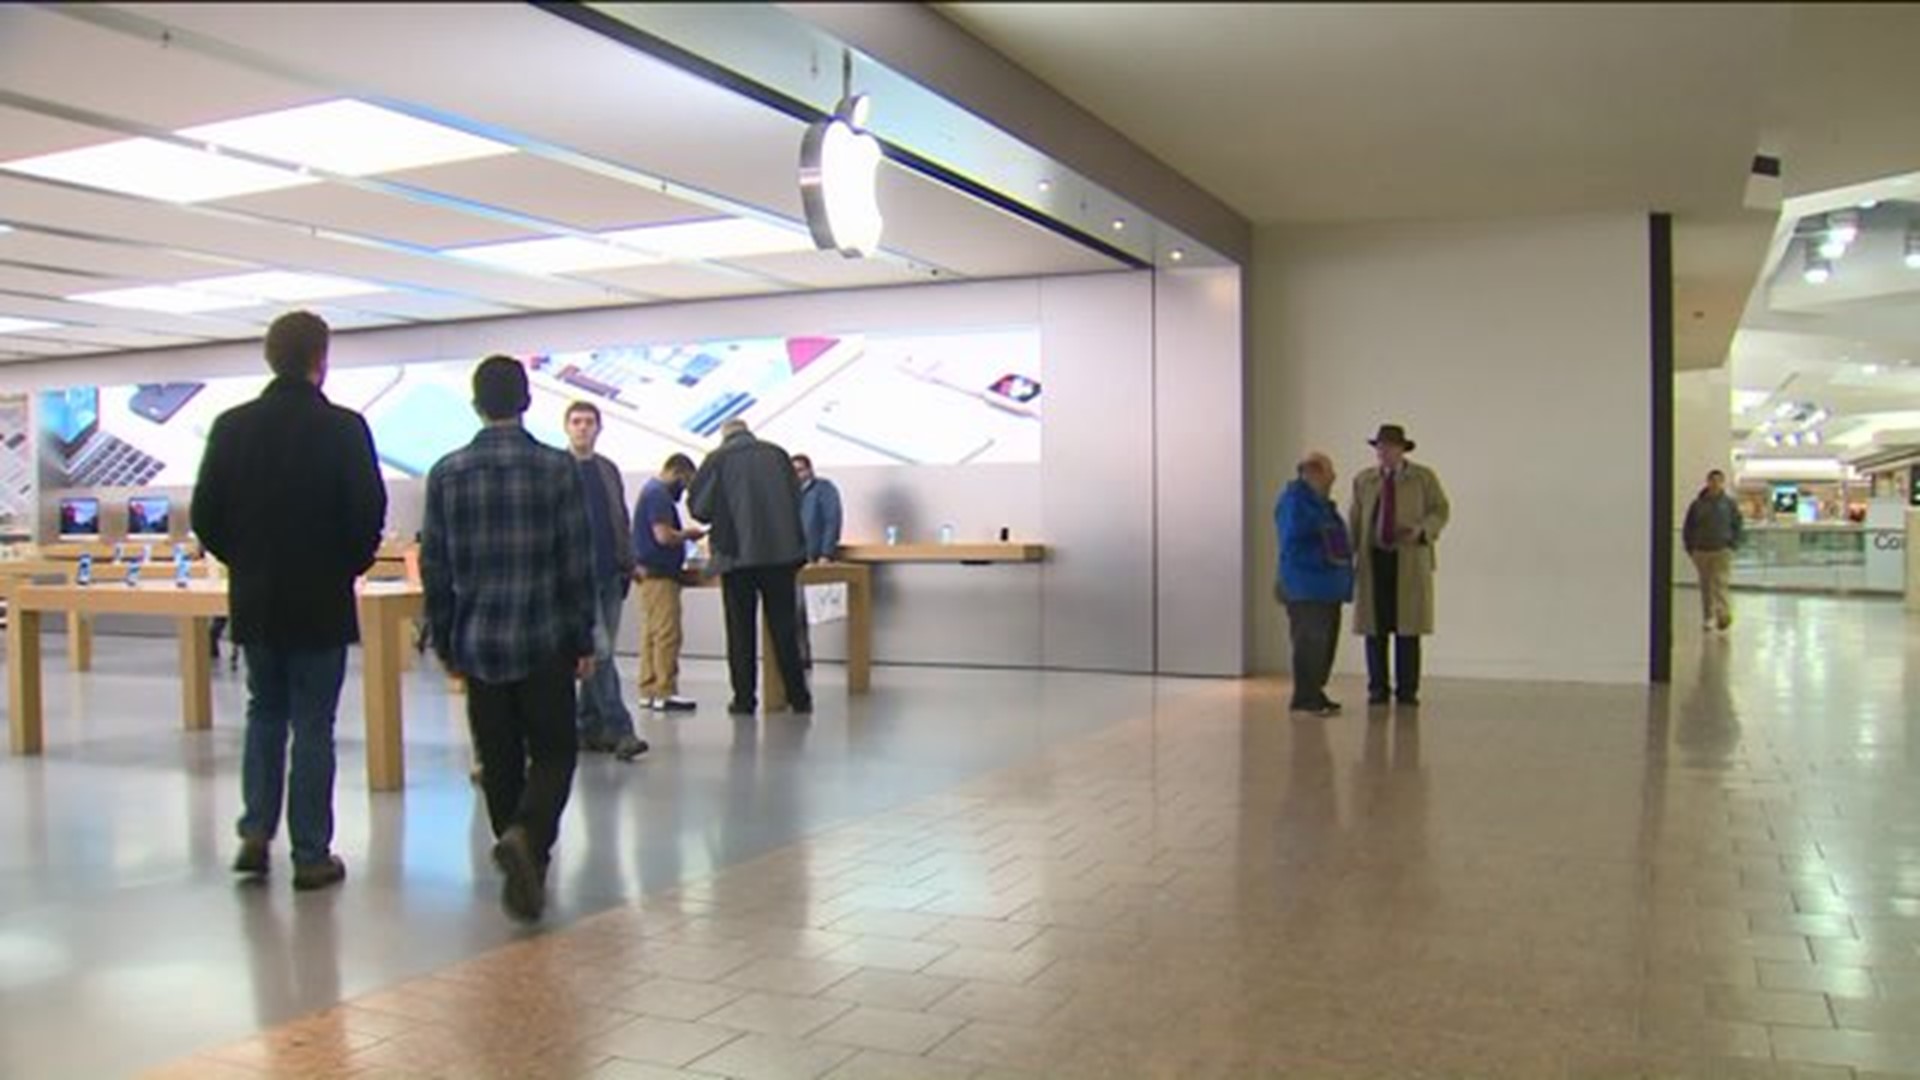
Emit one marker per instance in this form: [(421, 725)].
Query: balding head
[(1316, 469), (732, 428)]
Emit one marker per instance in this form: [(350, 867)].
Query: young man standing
[(508, 570), (602, 718), (660, 554), (289, 497), (747, 491), (1711, 534)]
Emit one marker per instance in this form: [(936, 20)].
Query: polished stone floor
[(991, 874)]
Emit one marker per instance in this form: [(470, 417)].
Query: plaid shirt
[(505, 557)]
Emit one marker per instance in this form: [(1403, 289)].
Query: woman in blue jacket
[(1315, 578)]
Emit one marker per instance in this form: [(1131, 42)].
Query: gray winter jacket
[(747, 491)]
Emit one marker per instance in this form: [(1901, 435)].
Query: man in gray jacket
[(1710, 535), (746, 490)]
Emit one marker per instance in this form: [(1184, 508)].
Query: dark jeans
[(523, 732), (291, 692), (1315, 626), (600, 710), (1386, 623), (743, 591)]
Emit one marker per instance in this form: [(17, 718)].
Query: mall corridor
[(1105, 876)]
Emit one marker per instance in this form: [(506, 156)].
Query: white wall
[(1702, 432), (1516, 353)]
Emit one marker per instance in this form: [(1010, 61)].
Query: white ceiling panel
[(682, 281), (24, 133), (426, 306), (374, 213), (48, 55), (111, 259), (119, 337), (831, 270), (52, 284), (958, 233), (554, 192)]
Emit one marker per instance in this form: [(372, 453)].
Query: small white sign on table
[(826, 603)]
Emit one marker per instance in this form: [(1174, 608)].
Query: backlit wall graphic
[(895, 399)]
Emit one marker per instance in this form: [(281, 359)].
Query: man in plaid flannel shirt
[(507, 566)]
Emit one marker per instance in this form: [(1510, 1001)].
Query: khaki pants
[(659, 637), (1716, 569)]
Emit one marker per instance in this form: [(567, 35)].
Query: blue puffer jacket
[(1316, 560)]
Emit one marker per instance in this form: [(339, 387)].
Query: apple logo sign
[(839, 181)]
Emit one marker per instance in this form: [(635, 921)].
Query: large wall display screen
[(926, 398)]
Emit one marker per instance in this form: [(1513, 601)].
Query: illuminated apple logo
[(839, 181)]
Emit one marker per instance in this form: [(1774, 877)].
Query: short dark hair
[(585, 407), (678, 464), (296, 343), (1721, 473), (802, 459), (500, 388)]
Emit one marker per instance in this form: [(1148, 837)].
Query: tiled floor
[(1525, 880)]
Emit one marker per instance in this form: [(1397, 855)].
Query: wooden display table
[(859, 583), (80, 625), (384, 611), (989, 552)]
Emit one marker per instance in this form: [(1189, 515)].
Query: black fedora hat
[(1392, 433)]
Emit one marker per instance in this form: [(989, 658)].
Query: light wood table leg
[(196, 673), (860, 634), (773, 688), (25, 720), (380, 667), (79, 641)]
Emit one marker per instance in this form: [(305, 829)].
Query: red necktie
[(1389, 531)]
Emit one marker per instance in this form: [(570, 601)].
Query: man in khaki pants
[(660, 554), (1710, 535)]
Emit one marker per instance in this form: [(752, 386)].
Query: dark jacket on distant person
[(1713, 524), (290, 499), (747, 491), (820, 517)]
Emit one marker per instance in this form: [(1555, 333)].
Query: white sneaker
[(652, 704)]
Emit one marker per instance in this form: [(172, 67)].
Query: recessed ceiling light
[(285, 286), (351, 138), (554, 255), (1177, 254), (1832, 247), (1046, 186), (10, 325), (1868, 204), (1119, 223), (5, 228), (719, 238), (157, 170), (172, 299), (1870, 369)]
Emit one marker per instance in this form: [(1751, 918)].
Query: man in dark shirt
[(290, 498), (820, 521), (507, 566), (602, 718), (660, 554), (747, 491)]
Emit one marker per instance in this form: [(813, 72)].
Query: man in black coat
[(290, 499)]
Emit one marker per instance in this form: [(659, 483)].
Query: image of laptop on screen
[(149, 517), (80, 519), (89, 456)]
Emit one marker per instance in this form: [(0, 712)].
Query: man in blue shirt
[(820, 520), (601, 717), (508, 570), (660, 555), (1315, 578)]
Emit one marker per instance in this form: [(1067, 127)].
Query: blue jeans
[(291, 691), (600, 710)]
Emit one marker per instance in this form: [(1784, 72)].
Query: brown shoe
[(321, 875), (252, 859), (524, 893)]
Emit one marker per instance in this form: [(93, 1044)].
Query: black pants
[(742, 591), (1386, 622), (523, 733), (1315, 627)]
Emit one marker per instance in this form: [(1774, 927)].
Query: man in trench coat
[(1398, 512)]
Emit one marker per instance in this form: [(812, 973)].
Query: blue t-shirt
[(599, 525), (657, 505)]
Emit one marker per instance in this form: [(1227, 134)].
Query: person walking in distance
[(820, 520), (507, 566), (601, 716), (746, 490), (1398, 512), (1711, 534), (660, 556), (289, 497), (1315, 577)]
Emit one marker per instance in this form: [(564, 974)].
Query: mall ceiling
[(381, 168)]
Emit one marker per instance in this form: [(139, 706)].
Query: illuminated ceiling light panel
[(158, 170), (556, 255), (10, 325), (285, 286), (171, 299), (351, 138), (720, 238)]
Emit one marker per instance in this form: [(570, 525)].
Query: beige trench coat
[(1419, 503)]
